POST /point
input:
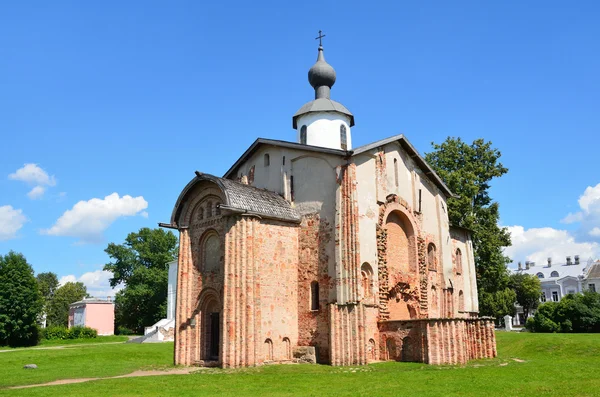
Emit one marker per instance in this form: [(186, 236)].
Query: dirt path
[(59, 347), (135, 374)]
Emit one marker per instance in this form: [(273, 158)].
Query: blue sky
[(118, 104)]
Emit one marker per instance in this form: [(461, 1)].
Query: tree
[(58, 307), (468, 171), (528, 289), (20, 301), (141, 263), (47, 283), (574, 313), (499, 303)]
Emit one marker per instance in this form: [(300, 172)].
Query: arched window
[(396, 171), (431, 257), (209, 209), (267, 160), (367, 279), (211, 252), (540, 275), (288, 348), (200, 213), (314, 295), (303, 135), (458, 261), (371, 350), (461, 301), (343, 137), (554, 274), (268, 350)]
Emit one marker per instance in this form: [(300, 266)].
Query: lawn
[(553, 364)]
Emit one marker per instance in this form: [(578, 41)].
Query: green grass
[(555, 365), (63, 342), (88, 361)]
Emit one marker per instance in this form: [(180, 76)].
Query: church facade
[(315, 244)]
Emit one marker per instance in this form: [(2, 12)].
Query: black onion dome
[(321, 73)]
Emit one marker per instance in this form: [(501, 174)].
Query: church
[(317, 247)]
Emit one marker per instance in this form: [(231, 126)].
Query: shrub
[(574, 313), (124, 331), (59, 332)]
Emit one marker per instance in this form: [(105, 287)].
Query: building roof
[(273, 142), (321, 77), (401, 139), (86, 301), (322, 105), (240, 198), (414, 154), (563, 271), (594, 271)]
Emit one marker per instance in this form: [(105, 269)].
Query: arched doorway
[(210, 331)]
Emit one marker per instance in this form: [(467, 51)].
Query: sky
[(108, 108)]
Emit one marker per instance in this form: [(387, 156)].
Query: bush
[(574, 313), (52, 333), (124, 331)]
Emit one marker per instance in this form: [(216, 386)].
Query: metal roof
[(240, 198), (322, 105), (414, 154), (273, 142), (594, 271), (563, 270)]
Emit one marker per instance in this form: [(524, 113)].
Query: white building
[(559, 280)]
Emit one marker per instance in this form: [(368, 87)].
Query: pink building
[(94, 313)]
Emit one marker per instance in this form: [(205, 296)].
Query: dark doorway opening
[(214, 336)]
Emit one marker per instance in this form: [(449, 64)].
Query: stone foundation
[(437, 340)]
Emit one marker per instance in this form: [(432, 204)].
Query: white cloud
[(538, 244), (34, 176), (11, 220), (97, 283), (589, 204), (36, 192), (87, 220), (595, 232)]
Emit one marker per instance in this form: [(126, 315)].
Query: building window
[(461, 301), (540, 275), (267, 160), (303, 135), (571, 291), (431, 257), (268, 350), (396, 171), (343, 138), (458, 261), (283, 161), (543, 297), (367, 279), (592, 287), (314, 295), (209, 209), (554, 274), (211, 252), (554, 296)]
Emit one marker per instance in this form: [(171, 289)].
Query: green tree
[(20, 301), (468, 171), (499, 303), (141, 264), (48, 283), (528, 289), (58, 307)]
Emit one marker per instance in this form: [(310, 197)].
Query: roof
[(86, 301), (594, 271), (322, 105), (563, 271), (273, 142), (401, 139), (414, 154), (241, 198)]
